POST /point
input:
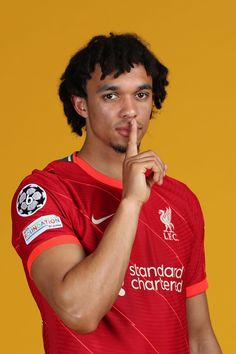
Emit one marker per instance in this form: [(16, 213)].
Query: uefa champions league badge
[(30, 199)]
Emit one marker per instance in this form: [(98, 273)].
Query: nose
[(128, 108)]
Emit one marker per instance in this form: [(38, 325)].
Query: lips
[(125, 130)]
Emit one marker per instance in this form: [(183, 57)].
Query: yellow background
[(194, 133)]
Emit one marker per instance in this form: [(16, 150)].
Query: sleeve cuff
[(197, 288), (55, 241)]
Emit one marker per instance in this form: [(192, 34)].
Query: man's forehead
[(98, 70), (137, 75), (112, 87)]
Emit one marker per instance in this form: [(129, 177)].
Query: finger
[(166, 167), (158, 172), (151, 168), (132, 149), (158, 163), (150, 153), (155, 173)]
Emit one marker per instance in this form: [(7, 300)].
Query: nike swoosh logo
[(99, 221)]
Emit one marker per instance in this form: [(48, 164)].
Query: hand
[(137, 183)]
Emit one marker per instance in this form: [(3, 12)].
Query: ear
[(80, 105)]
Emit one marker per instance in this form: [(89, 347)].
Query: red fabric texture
[(167, 261)]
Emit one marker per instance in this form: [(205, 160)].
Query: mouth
[(125, 130)]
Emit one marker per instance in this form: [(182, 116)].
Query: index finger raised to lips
[(132, 149)]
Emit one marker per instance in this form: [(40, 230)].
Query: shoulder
[(43, 177), (35, 187), (50, 175), (178, 189), (182, 199)]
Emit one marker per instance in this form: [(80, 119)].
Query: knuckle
[(151, 153), (133, 166), (129, 161)]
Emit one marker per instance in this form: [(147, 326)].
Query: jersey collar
[(96, 174)]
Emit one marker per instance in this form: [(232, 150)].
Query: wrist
[(131, 205)]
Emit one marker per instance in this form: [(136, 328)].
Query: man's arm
[(82, 289), (202, 339)]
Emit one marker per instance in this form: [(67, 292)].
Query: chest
[(163, 232)]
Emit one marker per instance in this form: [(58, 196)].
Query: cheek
[(101, 118), (100, 110), (145, 113)]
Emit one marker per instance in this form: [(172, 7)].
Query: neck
[(105, 160)]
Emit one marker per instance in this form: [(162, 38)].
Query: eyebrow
[(115, 88), (107, 88)]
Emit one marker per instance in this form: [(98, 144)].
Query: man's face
[(113, 102)]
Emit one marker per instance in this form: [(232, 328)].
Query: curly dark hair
[(115, 54)]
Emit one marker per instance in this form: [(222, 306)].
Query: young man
[(112, 248)]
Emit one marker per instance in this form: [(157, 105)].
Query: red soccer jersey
[(70, 202)]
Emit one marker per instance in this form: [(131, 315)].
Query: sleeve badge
[(30, 199)]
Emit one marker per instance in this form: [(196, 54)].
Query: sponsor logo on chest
[(160, 278)]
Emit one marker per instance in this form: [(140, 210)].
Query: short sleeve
[(196, 281), (41, 217)]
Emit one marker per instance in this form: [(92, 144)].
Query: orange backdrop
[(194, 133)]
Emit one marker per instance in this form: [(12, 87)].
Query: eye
[(110, 96), (142, 95)]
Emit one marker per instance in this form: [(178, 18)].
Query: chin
[(120, 149)]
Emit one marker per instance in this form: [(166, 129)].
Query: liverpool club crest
[(165, 217)]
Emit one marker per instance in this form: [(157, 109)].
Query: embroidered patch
[(38, 226), (169, 232), (30, 199)]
